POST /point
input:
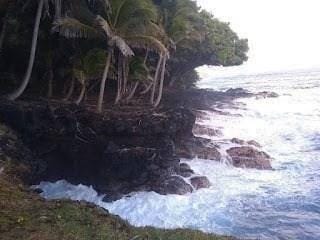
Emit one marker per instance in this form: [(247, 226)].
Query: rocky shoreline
[(126, 150)]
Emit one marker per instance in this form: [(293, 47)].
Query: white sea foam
[(279, 204)]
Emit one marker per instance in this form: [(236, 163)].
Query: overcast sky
[(283, 34)]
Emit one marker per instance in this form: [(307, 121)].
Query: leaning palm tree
[(43, 6), (86, 67), (125, 24)]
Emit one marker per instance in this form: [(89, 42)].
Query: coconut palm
[(43, 6), (125, 24), (86, 67)]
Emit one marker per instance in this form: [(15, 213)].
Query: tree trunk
[(82, 93), (27, 76), (119, 79), (134, 89), (50, 84), (155, 80), (156, 104), (146, 57), (3, 32), (147, 89), (103, 83), (70, 91)]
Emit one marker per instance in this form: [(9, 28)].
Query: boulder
[(185, 170), (248, 157), (173, 185), (200, 182)]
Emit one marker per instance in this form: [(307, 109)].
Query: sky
[(282, 34)]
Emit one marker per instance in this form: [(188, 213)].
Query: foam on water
[(279, 204)]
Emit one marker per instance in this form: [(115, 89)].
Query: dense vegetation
[(76, 50)]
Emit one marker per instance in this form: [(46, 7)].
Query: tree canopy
[(76, 49)]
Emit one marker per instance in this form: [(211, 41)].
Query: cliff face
[(118, 153)]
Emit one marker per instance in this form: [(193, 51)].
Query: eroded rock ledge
[(120, 152), (125, 150)]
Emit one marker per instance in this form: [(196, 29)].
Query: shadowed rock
[(198, 147), (174, 185)]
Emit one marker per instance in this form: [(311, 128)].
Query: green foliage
[(177, 28)]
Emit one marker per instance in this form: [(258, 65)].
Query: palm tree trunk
[(119, 79), (155, 80), (146, 57), (50, 84), (147, 89), (27, 76), (103, 82), (156, 104), (70, 91), (82, 93), (3, 33), (134, 89)]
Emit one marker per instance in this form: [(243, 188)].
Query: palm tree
[(86, 67), (125, 24), (42, 4)]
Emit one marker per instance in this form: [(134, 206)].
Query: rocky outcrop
[(248, 157), (202, 148), (119, 152)]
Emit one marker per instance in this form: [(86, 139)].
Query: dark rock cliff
[(117, 153)]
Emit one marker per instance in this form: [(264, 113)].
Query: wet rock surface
[(174, 185), (248, 157), (200, 182)]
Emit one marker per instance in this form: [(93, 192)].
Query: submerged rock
[(200, 182), (248, 157)]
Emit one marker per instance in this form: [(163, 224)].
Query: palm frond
[(73, 28), (148, 42), (121, 44), (105, 26)]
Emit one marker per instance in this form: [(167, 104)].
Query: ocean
[(283, 203)]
